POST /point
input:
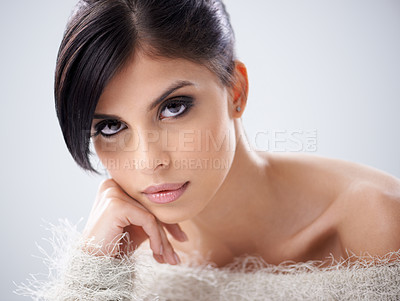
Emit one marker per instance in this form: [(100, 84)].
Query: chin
[(181, 210), (174, 215), (172, 219)]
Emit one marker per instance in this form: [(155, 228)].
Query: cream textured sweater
[(76, 275)]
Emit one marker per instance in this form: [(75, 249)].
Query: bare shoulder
[(370, 220), (367, 200), (335, 174)]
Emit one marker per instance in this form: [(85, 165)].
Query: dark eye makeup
[(176, 107)]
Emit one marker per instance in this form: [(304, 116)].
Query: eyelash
[(183, 100)]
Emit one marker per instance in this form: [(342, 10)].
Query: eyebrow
[(175, 86)]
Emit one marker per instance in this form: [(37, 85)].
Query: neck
[(243, 202)]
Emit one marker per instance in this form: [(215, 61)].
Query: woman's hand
[(114, 213)]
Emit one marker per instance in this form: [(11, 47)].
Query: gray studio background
[(324, 72)]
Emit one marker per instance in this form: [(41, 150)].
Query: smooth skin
[(279, 206)]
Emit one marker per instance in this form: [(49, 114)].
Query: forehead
[(143, 78)]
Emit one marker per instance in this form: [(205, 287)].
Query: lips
[(163, 187), (165, 193)]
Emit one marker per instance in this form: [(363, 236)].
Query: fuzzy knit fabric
[(76, 275)]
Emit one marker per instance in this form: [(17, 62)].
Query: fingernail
[(159, 258), (161, 249), (177, 260)]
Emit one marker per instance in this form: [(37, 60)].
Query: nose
[(150, 156)]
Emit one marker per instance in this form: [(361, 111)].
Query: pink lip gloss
[(166, 196)]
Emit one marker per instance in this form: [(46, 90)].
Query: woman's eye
[(175, 108), (108, 128)]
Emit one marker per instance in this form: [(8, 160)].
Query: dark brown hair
[(101, 36)]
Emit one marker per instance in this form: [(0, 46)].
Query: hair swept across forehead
[(102, 35)]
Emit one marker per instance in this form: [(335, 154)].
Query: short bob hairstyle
[(102, 35)]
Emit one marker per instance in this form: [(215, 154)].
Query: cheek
[(106, 151), (206, 168), (211, 156), (209, 140), (114, 158)]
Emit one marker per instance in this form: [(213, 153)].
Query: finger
[(169, 254), (159, 258), (148, 222), (176, 231)]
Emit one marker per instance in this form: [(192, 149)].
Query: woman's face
[(168, 121)]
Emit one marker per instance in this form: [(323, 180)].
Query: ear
[(240, 89)]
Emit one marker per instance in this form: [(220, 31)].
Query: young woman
[(156, 87)]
